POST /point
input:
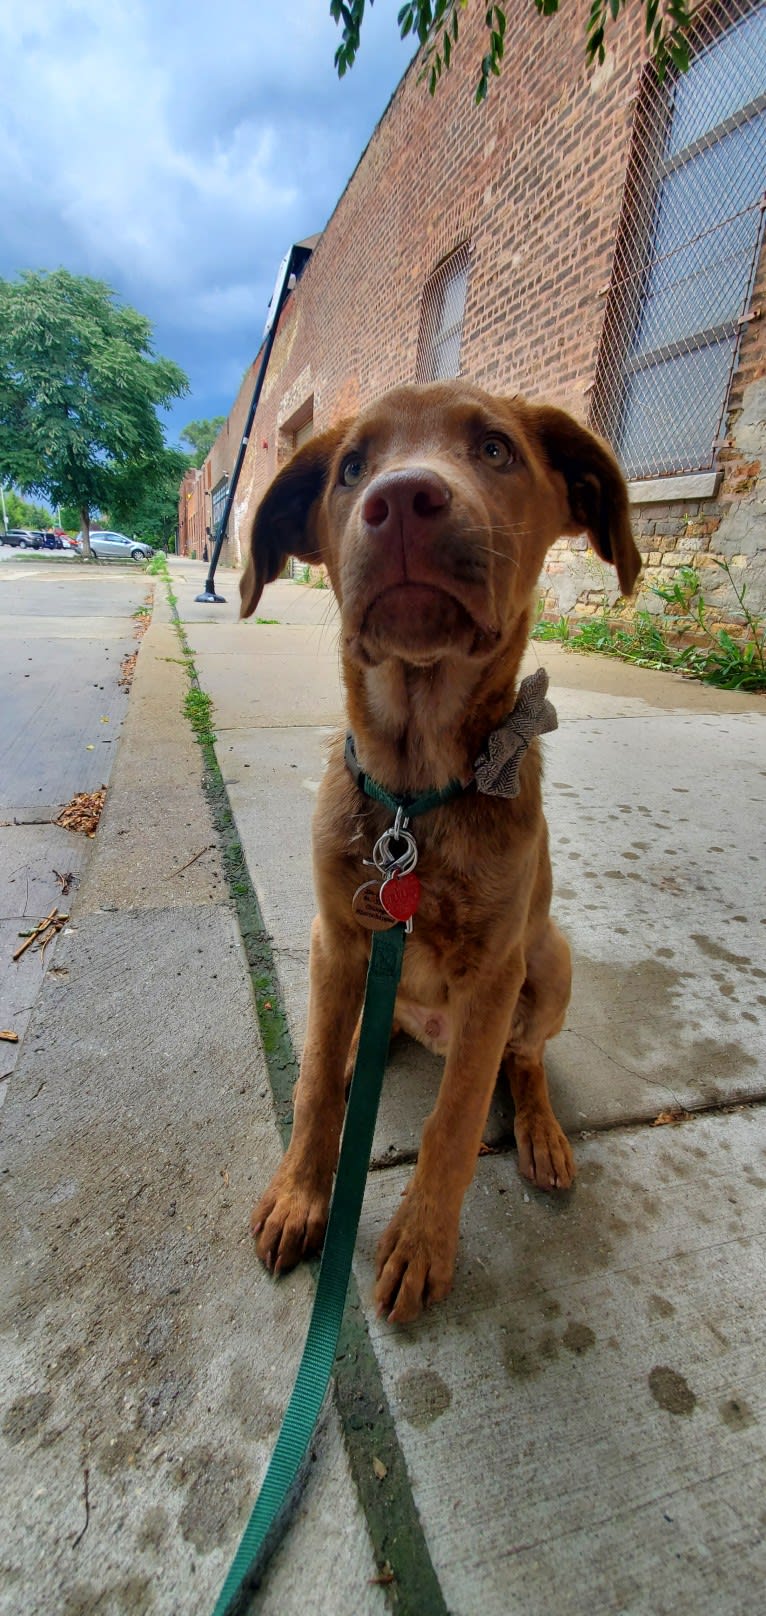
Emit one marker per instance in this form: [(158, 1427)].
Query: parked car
[(111, 545), (23, 538)]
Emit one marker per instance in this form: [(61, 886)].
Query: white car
[(118, 544)]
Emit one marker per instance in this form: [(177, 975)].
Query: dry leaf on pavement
[(83, 812)]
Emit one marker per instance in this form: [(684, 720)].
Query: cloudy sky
[(175, 148)]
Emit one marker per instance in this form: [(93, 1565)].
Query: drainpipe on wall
[(290, 268)]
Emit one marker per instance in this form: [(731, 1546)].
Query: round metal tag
[(368, 909)]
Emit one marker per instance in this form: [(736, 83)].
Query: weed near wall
[(680, 641)]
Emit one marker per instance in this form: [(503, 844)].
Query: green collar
[(496, 769), (409, 807)]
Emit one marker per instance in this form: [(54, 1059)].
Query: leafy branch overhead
[(436, 26)]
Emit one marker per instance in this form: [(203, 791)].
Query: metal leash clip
[(400, 887), (389, 862)]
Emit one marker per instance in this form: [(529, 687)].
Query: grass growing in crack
[(157, 564), (198, 708), (713, 656)]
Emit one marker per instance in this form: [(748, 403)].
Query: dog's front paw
[(289, 1221), (545, 1154), (416, 1261)]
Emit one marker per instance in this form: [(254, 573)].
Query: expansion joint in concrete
[(369, 1431)]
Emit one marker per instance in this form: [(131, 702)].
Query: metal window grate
[(441, 319), (218, 501), (687, 248)]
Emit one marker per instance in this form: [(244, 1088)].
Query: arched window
[(441, 319)]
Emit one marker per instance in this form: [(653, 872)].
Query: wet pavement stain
[(578, 1338), (422, 1396), (215, 1491), (25, 1417), (659, 1307), (736, 1413), (131, 1597), (671, 1391), (154, 1527), (716, 952)]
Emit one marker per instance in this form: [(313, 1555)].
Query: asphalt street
[(64, 631)]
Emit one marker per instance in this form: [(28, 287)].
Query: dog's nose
[(395, 498)]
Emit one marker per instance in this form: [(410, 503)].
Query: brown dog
[(433, 512)]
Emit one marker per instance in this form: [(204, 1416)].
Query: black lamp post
[(289, 270)]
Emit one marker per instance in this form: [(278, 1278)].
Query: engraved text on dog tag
[(368, 909)]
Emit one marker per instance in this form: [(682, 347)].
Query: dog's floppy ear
[(597, 493), (285, 521)]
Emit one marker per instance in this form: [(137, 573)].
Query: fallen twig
[(66, 881), (8, 1037), (33, 935), (192, 860), (86, 1501), (51, 925)]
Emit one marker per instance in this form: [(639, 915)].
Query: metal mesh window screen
[(441, 319), (687, 249), (218, 501)]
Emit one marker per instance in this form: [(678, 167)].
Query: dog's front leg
[(290, 1219), (416, 1255)]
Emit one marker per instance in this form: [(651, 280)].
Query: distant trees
[(80, 387), (148, 506), (21, 513), (200, 437)]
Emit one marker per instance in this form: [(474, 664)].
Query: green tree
[(70, 518), (199, 436), (21, 513), (80, 387), (436, 26), (145, 501)]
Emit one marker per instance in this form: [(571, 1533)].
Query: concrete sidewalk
[(581, 1424)]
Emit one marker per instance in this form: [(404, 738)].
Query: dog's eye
[(496, 451), (352, 470)]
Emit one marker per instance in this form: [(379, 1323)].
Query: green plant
[(710, 654), (720, 660), (157, 564), (544, 630), (198, 708), (436, 25)]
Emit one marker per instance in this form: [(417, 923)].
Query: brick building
[(592, 237)]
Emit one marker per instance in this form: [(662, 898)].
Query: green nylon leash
[(272, 1506)]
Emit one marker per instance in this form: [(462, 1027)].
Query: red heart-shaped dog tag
[(400, 896)]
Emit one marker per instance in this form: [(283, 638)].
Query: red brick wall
[(533, 179)]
